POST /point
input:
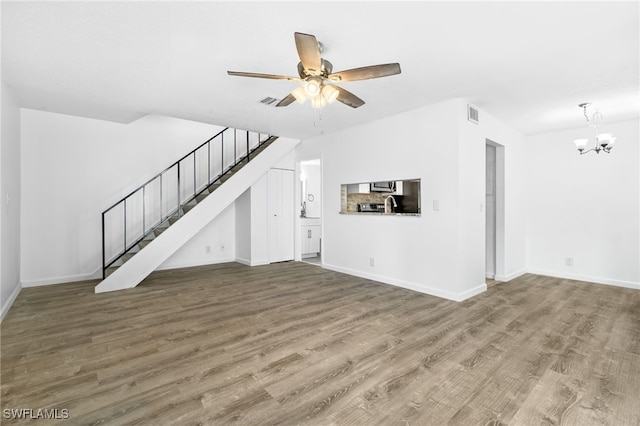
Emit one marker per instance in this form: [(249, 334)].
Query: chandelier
[(603, 141)]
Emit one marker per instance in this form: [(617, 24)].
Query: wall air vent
[(270, 101), (472, 114)]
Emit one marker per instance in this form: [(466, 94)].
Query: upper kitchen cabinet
[(358, 188)]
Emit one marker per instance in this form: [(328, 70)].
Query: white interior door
[(490, 203), (280, 186)]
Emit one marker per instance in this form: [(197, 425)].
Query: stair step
[(202, 196), (173, 219), (187, 208), (127, 256), (164, 224), (117, 263), (159, 231), (142, 244), (214, 186), (110, 270)]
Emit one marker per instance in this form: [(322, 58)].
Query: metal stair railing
[(150, 206)]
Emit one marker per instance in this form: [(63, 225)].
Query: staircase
[(180, 201)]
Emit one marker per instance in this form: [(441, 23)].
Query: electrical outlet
[(222, 247), (568, 261), (207, 249), (436, 205), (372, 261)]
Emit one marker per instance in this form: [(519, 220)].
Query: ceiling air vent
[(270, 101), (472, 114)]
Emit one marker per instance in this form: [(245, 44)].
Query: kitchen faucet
[(392, 199)]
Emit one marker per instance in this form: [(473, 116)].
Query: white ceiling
[(527, 63)]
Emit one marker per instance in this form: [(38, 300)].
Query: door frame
[(490, 212), (499, 209), (298, 203)]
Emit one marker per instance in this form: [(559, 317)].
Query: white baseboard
[(420, 288), (511, 276), (7, 304), (96, 275), (243, 261), (181, 265), (251, 262), (471, 292), (586, 278)]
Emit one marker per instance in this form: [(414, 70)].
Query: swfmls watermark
[(35, 413)]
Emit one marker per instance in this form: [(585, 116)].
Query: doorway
[(490, 212), (495, 212), (311, 211)]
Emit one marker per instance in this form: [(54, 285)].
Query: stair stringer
[(162, 247)]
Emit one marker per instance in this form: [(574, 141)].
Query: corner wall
[(442, 251), (585, 207), (9, 200)]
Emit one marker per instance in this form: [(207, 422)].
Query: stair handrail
[(180, 203)]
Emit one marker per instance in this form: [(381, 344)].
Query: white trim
[(471, 292), (243, 261), (252, 262), (96, 275), (490, 276), (511, 276), (587, 278), (194, 263), (457, 297), (7, 304)]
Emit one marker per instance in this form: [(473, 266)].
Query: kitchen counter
[(380, 214)]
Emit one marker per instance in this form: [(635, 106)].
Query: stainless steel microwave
[(389, 186)]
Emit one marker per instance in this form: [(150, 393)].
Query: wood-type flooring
[(293, 343)]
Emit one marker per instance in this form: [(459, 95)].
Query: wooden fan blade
[(349, 98), (365, 73), (259, 75), (309, 53), (286, 101)]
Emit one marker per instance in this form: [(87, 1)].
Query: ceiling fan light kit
[(603, 141), (316, 75)]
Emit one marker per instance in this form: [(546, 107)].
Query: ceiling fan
[(318, 76)]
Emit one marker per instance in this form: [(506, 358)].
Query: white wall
[(214, 244), (243, 227), (585, 207), (73, 168), (9, 200), (441, 252)]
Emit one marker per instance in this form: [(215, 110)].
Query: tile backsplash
[(352, 200)]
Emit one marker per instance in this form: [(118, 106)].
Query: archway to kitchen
[(309, 223)]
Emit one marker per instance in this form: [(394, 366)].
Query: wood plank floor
[(293, 343)]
